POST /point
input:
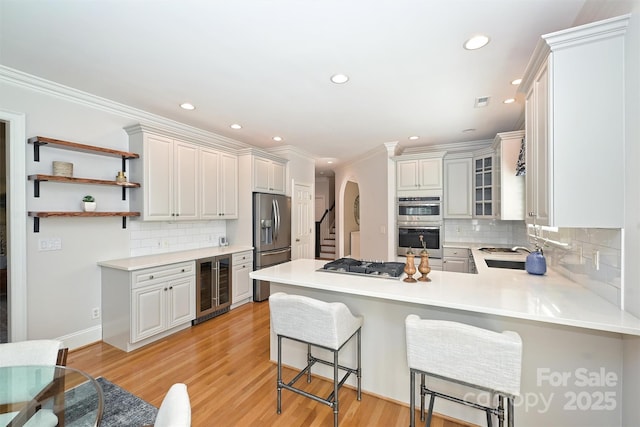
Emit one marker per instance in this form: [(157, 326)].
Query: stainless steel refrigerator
[(271, 236)]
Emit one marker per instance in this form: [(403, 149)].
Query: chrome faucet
[(516, 248)]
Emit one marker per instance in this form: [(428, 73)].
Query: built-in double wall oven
[(419, 216)]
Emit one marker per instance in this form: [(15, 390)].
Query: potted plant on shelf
[(88, 203)]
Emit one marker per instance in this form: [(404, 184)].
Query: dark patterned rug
[(121, 408)]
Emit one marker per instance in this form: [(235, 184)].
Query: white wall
[(62, 287), (370, 172)]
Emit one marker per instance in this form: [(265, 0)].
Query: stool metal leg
[(359, 374), (309, 363), (501, 411), (510, 408), (412, 399), (279, 384), (335, 388), (489, 421), (422, 394), (432, 400)]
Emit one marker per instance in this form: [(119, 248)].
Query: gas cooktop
[(388, 270)]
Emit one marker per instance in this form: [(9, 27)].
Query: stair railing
[(322, 228)]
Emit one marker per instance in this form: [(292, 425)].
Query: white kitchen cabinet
[(574, 90), (418, 173), (181, 180), (509, 188), (455, 259), (483, 185), (219, 184), (458, 181), (142, 306), (242, 265), (269, 176), (168, 173)]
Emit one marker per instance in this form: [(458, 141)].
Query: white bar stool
[(467, 355), (319, 324)]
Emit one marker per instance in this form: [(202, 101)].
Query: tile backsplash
[(485, 231), (148, 238), (591, 257)]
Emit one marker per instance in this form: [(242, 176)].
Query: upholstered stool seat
[(467, 355), (318, 324)]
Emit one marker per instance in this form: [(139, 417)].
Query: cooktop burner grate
[(391, 270)]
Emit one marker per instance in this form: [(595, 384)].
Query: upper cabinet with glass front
[(574, 90), (483, 184)]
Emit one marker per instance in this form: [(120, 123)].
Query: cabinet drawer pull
[(165, 289), (151, 277)]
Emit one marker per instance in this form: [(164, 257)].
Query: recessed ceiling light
[(414, 137), (187, 106), (476, 42), (277, 138), (470, 130), (339, 78), (509, 101), (330, 161), (235, 126), (516, 82)]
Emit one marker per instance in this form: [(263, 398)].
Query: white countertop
[(148, 261), (512, 293)]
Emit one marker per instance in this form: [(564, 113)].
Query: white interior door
[(302, 242)]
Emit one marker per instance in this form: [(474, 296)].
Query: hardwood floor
[(231, 382)]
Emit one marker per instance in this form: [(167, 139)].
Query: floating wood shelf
[(38, 141), (39, 178), (49, 214)]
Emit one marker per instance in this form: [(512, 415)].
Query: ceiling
[(266, 65)]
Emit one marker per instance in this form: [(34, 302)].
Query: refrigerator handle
[(274, 231), (276, 212)]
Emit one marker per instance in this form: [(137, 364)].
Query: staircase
[(328, 245)]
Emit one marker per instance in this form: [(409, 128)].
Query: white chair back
[(328, 324), (175, 410), (31, 352)]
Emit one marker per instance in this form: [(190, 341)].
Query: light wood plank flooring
[(231, 382)]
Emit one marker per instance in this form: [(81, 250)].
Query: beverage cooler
[(213, 287)]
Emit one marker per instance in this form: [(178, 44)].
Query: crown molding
[(149, 120)]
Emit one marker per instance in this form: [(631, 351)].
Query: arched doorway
[(351, 220)]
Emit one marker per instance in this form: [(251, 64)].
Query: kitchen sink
[(501, 263), (500, 251)]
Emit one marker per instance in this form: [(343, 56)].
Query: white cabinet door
[(185, 181), (261, 171), (279, 178), (269, 176), (458, 195), (148, 311), (419, 174), (407, 175), (430, 174), (537, 149), (483, 184), (157, 184), (242, 290), (576, 146), (181, 302), (241, 283), (228, 190), (210, 185)]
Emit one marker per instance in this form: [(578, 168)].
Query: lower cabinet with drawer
[(455, 259), (142, 306), (242, 292)]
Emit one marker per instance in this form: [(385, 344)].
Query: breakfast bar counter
[(572, 338)]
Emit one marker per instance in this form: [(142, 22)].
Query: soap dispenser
[(535, 262)]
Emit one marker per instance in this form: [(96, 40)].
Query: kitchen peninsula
[(568, 334)]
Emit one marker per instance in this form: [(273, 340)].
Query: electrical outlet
[(95, 313), (51, 244), (596, 260)]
